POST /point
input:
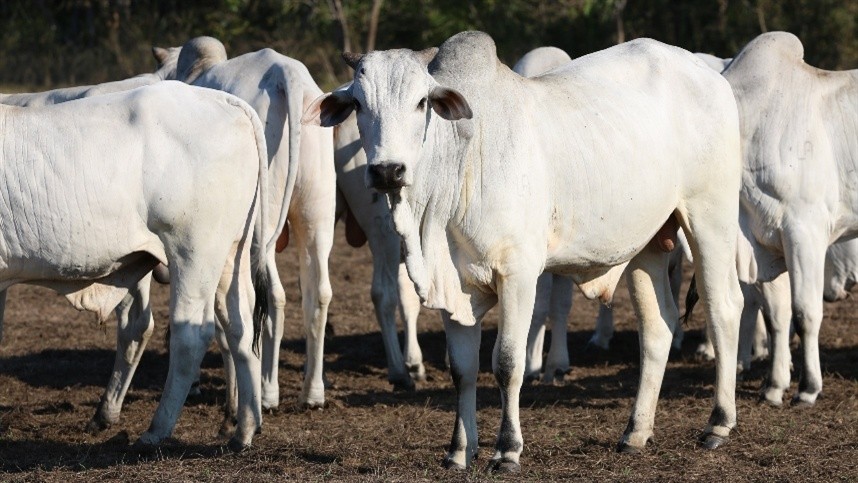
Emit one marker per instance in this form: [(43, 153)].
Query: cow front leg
[(604, 329), (777, 312), (654, 307), (463, 349), (409, 308), (747, 324), (272, 335), (516, 294), (134, 328)]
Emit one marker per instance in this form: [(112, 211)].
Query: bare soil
[(54, 362)]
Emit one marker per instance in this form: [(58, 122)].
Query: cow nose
[(387, 176)]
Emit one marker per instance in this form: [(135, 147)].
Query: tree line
[(50, 43)]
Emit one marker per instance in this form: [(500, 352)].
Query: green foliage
[(47, 43)]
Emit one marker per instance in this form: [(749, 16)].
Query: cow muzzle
[(386, 177)]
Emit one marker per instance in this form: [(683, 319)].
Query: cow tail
[(292, 88), (261, 280), (691, 298)]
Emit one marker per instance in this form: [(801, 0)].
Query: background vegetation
[(50, 43)]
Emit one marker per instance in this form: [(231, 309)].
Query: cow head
[(394, 97)]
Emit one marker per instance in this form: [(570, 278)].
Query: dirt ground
[(55, 361)]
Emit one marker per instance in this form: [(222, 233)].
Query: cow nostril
[(398, 171)]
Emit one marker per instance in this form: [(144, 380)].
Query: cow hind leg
[(604, 332), (776, 314), (747, 323), (557, 362), (227, 427), (134, 328), (712, 235), (654, 306), (272, 335), (536, 334)]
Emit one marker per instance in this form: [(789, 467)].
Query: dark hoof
[(236, 446), (96, 425), (626, 448), (403, 385), (531, 378), (227, 428), (313, 406), (451, 465), (800, 404), (712, 441), (502, 466), (144, 449), (195, 391), (594, 349)]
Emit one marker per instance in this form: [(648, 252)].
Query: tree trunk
[(340, 15), (618, 15), (373, 25)]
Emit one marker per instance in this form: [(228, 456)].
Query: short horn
[(352, 59), (426, 55)]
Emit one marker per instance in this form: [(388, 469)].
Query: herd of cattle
[(468, 180)]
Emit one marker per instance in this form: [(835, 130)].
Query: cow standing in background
[(583, 171), (799, 196)]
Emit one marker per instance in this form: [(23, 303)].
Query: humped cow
[(800, 144), (99, 191), (302, 187), (575, 172)]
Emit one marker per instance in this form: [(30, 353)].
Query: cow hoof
[(237, 446), (417, 372), (503, 466), (712, 441), (452, 465), (531, 378), (800, 404), (625, 448), (403, 385), (227, 427), (594, 348), (96, 425), (195, 390)]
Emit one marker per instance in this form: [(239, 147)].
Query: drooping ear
[(426, 55), (352, 59), (161, 54), (329, 110), (449, 104)]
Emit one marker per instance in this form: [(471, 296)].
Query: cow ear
[(329, 110), (449, 104), (352, 59), (161, 54)]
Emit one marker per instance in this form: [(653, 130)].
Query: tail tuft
[(261, 287)]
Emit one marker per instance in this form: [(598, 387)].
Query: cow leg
[(234, 305), (712, 236), (747, 324), (516, 294), (463, 349), (557, 362), (761, 339), (604, 328), (536, 334), (272, 335), (2, 311), (654, 306), (230, 406), (409, 308), (134, 328), (314, 242), (777, 312), (805, 261), (384, 244)]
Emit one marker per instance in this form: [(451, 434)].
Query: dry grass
[(54, 362)]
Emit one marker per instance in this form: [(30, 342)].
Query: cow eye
[(422, 104), (357, 105)]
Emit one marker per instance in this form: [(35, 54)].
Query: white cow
[(302, 182), (368, 218), (800, 145), (574, 172), (165, 57), (97, 192), (554, 292)]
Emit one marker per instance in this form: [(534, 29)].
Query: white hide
[(302, 186), (800, 145), (572, 172), (97, 192)]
